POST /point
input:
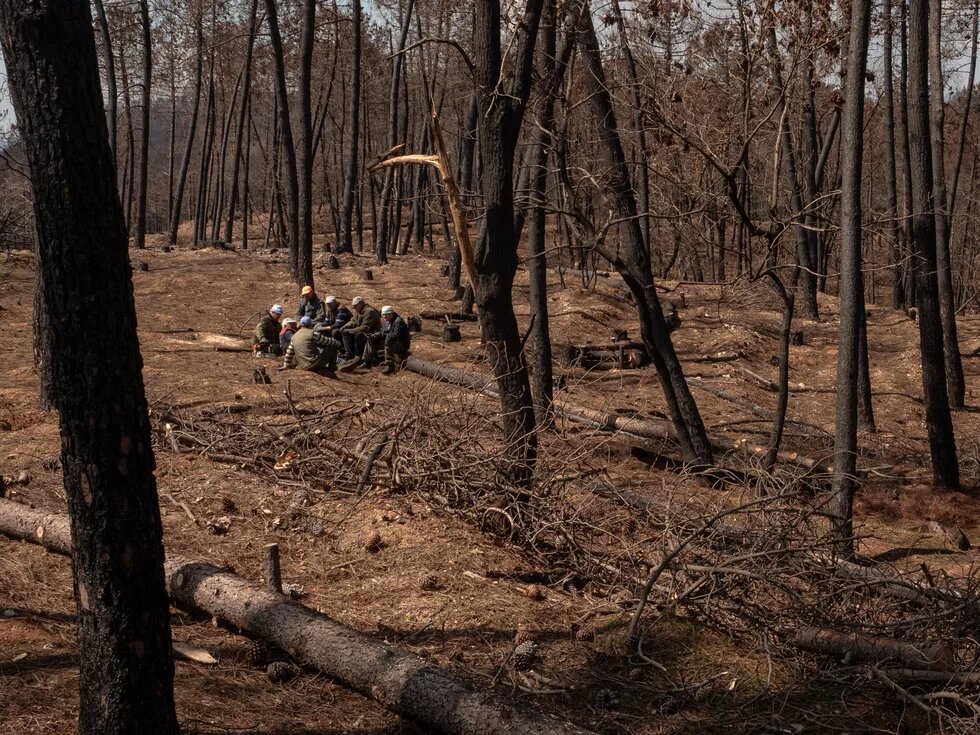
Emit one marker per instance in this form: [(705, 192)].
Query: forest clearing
[(449, 582)]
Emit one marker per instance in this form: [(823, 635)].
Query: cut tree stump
[(451, 333), (368, 274), (402, 682), (929, 655)]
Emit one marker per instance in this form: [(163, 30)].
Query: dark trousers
[(354, 343)]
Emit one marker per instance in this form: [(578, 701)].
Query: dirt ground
[(468, 622)]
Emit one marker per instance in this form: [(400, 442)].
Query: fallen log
[(926, 655), (641, 427), (924, 676), (400, 681), (452, 316)]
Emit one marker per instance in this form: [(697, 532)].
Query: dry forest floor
[(450, 578)]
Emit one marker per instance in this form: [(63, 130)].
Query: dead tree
[(634, 264), (192, 127), (955, 382), (125, 667), (242, 132), (850, 289), (145, 124), (346, 244), (939, 422)]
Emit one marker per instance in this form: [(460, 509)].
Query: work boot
[(349, 367)]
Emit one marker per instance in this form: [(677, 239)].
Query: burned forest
[(545, 367)]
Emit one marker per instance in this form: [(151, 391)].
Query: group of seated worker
[(325, 330)]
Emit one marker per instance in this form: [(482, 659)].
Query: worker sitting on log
[(267, 333), (354, 335), (337, 316), (289, 327), (311, 350), (311, 305), (397, 340)]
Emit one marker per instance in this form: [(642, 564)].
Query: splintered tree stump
[(451, 333), (368, 275), (142, 266), (333, 263)]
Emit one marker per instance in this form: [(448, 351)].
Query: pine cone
[(373, 542), (431, 582), (586, 632), (534, 592), (279, 672), (316, 528), (228, 505), (524, 656), (259, 654), (606, 699), (525, 635)]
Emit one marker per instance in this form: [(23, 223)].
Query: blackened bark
[(304, 152), (939, 422), (126, 668), (111, 92), (387, 190), (144, 124), (634, 266), (892, 230), (955, 382), (537, 263), (350, 176), (241, 130), (499, 125), (903, 97), (850, 289), (807, 268), (191, 129), (782, 400), (288, 150)]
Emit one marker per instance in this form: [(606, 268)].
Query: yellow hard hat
[(307, 290)]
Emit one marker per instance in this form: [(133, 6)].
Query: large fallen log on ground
[(641, 427), (402, 682), (927, 655)]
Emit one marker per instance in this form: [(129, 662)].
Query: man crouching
[(312, 350)]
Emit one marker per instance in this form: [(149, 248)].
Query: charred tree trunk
[(126, 668), (891, 186), (387, 190), (144, 125), (955, 382), (304, 157), (350, 176), (939, 422), (807, 268), (499, 125), (241, 129), (191, 129), (850, 289), (634, 267), (111, 92), (288, 148)]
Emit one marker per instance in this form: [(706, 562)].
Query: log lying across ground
[(640, 427), (402, 682), (924, 655)]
